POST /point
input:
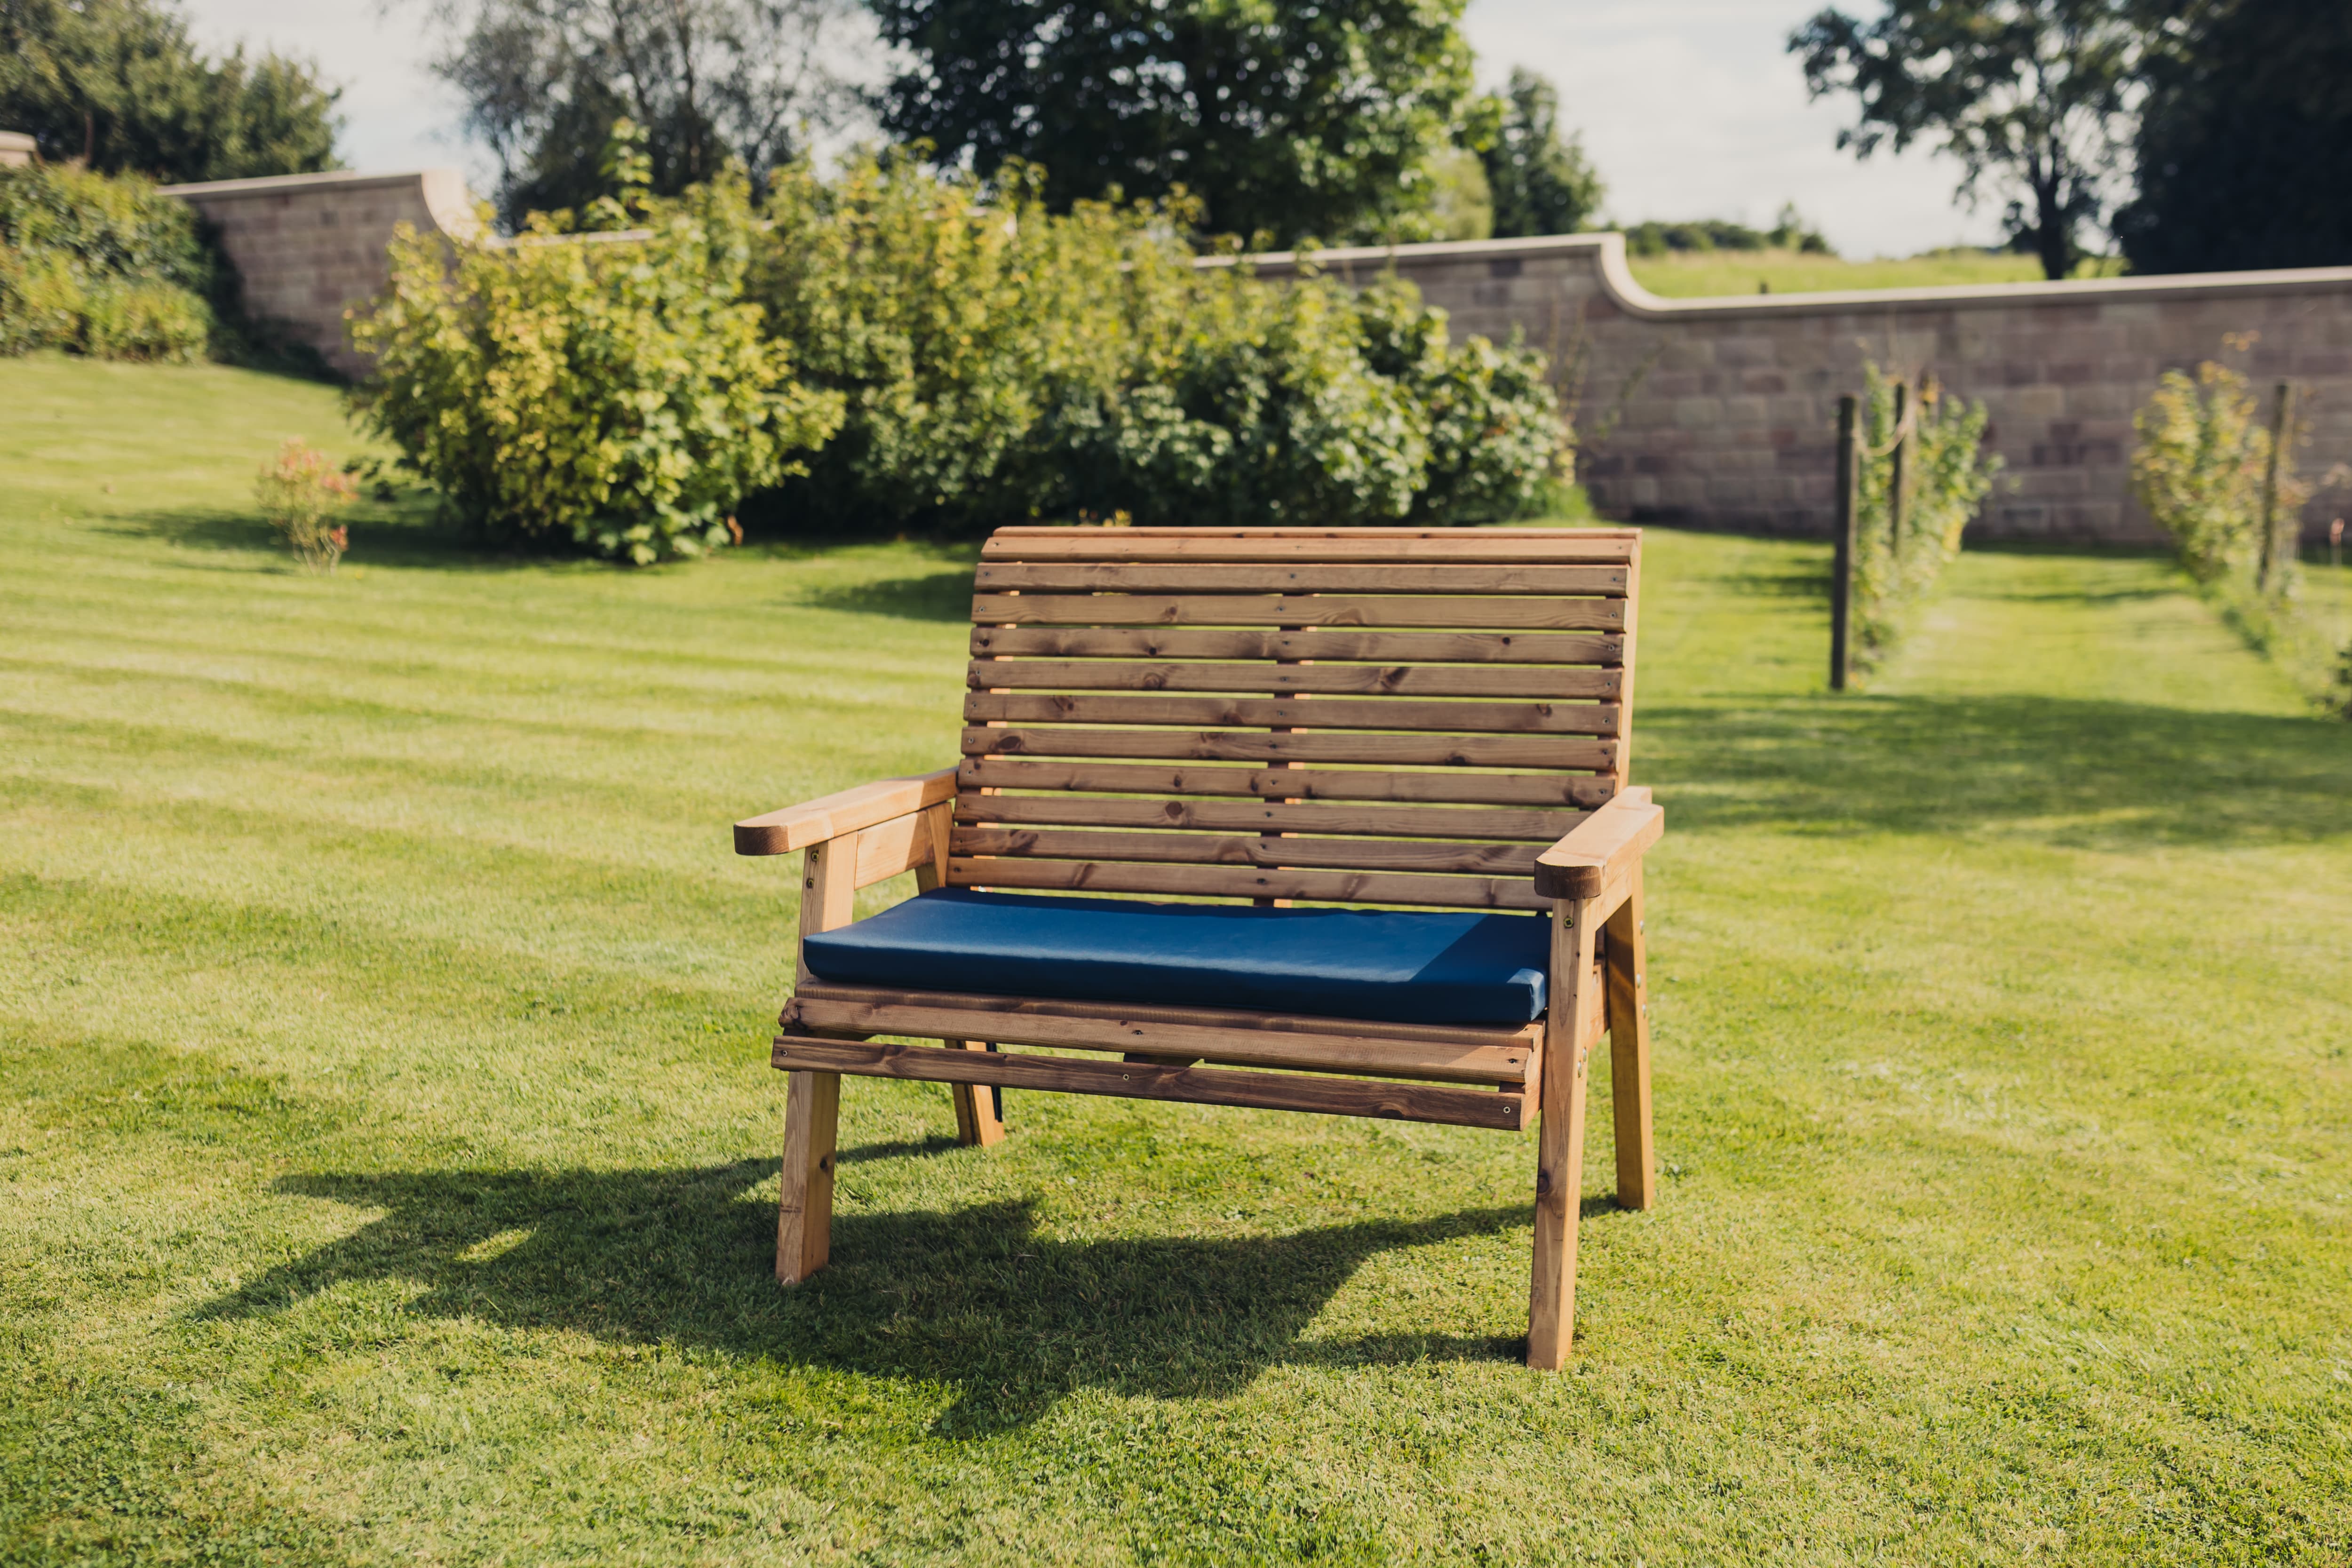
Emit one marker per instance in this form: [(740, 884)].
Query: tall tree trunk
[(2054, 238)]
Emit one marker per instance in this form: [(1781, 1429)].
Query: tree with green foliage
[(120, 86), (709, 81), (2245, 140), (1285, 121), (2031, 96), (1540, 181)]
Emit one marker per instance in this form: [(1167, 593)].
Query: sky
[(1690, 109)]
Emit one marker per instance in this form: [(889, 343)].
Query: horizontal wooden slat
[(1215, 849), (1238, 746), (1203, 642), (1287, 784), (1270, 817), (1280, 712), (1494, 1056), (1182, 1014), (1304, 610), (1138, 1080), (1502, 544), (1299, 577), (1330, 679), (1247, 882)]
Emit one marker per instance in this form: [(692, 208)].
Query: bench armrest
[(830, 816), (1597, 849)]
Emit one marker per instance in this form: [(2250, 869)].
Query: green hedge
[(896, 348), (613, 395), (102, 265)]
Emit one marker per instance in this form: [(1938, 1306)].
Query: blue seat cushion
[(1398, 965)]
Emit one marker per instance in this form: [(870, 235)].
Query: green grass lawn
[(387, 1147), (1702, 274)]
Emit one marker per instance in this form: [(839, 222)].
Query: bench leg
[(1629, 1052), (1559, 1145), (979, 1107), (805, 1217)]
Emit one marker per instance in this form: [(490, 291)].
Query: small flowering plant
[(301, 491)]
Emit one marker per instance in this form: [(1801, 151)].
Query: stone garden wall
[(1725, 410), (1714, 412), (307, 247)]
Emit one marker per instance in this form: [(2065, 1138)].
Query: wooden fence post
[(1849, 482), (2270, 567), (1901, 463)]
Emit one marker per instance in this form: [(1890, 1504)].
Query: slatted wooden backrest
[(1380, 716)]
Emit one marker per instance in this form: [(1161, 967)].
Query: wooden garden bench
[(1427, 723)]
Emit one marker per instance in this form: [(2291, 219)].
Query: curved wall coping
[(442, 191), (1607, 252)]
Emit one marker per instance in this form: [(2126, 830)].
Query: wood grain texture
[(1629, 1050), (804, 1209), (939, 1015), (1137, 1080), (1598, 849), (1313, 644), (1557, 789), (1301, 610), (1277, 712), (847, 811), (1268, 816), (1245, 882), (1553, 683), (1560, 1151), (828, 889), (1565, 546), (979, 1114), (1513, 1040), (1295, 577), (1319, 747), (1439, 855), (901, 844)]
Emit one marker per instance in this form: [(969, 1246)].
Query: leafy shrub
[(2198, 467), (614, 393), (101, 266), (2203, 459), (950, 316), (301, 493), (1946, 474), (999, 363)]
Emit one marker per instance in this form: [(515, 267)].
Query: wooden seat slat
[(1140, 1080), (1244, 746), (1317, 643), (1302, 610), (1293, 578), (1494, 1057), (1317, 680), (1388, 821), (1512, 1037), (1459, 788), (1400, 888), (1191, 848), (1278, 712)]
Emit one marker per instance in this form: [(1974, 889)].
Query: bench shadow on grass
[(975, 1299)]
